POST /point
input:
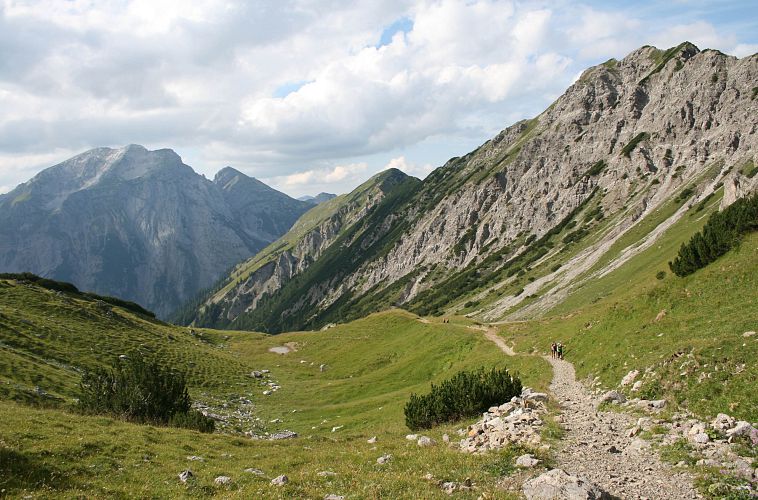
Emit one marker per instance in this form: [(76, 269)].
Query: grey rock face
[(650, 124), (138, 224)]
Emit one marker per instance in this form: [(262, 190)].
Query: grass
[(695, 352), (372, 365)]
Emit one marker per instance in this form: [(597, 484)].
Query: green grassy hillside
[(686, 333), (372, 365)]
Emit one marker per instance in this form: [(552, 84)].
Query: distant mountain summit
[(138, 224), (318, 199)]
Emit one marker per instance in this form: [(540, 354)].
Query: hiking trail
[(597, 446)]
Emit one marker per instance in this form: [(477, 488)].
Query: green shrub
[(627, 150), (720, 234), (597, 168), (140, 391), (194, 420), (466, 394), (660, 275)]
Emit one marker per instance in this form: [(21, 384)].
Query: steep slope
[(270, 271), (138, 224), (512, 228)]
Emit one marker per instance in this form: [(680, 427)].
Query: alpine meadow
[(566, 311)]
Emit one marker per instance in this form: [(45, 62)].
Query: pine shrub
[(719, 235), (143, 392), (466, 394)]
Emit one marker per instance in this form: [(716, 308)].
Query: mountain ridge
[(625, 138), (138, 224)]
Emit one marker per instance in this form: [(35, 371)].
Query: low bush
[(143, 392), (465, 395)]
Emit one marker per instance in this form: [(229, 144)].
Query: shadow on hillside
[(20, 471)]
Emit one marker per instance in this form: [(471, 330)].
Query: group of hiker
[(556, 350)]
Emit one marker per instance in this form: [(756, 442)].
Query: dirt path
[(597, 446)]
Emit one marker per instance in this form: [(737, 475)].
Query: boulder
[(222, 480), (612, 397), (280, 480), (424, 441), (557, 484), (371, 440), (741, 428), (526, 461), (701, 438), (723, 422), (629, 377), (411, 437), (658, 404), (537, 396), (384, 459), (283, 435), (637, 386), (185, 475)]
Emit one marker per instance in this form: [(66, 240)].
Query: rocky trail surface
[(597, 446)]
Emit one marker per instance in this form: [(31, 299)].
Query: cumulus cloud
[(304, 91)]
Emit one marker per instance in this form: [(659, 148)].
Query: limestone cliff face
[(138, 224), (627, 136)]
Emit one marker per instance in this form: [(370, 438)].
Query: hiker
[(560, 350), (553, 349)]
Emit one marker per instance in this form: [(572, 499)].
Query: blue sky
[(311, 96)]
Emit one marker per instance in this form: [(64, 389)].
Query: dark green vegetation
[(661, 58), (627, 150), (143, 392), (720, 234), (62, 286), (597, 168), (466, 394)]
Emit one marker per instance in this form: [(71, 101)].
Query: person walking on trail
[(553, 350), (560, 350)]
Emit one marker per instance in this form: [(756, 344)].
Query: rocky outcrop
[(138, 224)]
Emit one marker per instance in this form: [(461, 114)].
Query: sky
[(312, 95)]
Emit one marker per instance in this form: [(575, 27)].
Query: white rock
[(537, 396), (701, 438), (185, 476), (371, 440), (332, 496), (337, 427), (556, 484), (658, 404), (195, 458), (742, 428), (445, 438), (256, 472), (326, 473), (723, 422), (222, 480), (629, 377), (280, 480), (612, 397), (637, 386), (411, 437), (748, 334), (527, 461), (267, 393), (424, 441), (384, 459)]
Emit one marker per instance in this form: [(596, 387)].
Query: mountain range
[(511, 229), (139, 224)]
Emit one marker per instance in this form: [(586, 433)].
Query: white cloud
[(403, 165), (202, 76)]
